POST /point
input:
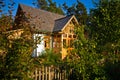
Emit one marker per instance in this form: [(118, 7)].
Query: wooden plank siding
[(68, 38), (57, 43)]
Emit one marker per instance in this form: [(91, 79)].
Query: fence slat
[(43, 73), (49, 73)]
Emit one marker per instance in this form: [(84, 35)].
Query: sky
[(87, 3)]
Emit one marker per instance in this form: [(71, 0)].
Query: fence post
[(36, 74)]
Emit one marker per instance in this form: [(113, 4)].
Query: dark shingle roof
[(41, 20), (60, 23)]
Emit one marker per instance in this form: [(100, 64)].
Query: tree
[(104, 25), (15, 54), (2, 5), (18, 63), (42, 4), (49, 5), (6, 23), (16, 58), (85, 63), (78, 10), (97, 58)]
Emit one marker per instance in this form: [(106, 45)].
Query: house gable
[(70, 24)]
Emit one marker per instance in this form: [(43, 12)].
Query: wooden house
[(55, 31)]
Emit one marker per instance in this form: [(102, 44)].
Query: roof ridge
[(64, 17)]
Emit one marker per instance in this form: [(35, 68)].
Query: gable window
[(70, 36), (65, 35)]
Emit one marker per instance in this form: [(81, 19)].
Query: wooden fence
[(49, 73)]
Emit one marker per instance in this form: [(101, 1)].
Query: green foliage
[(5, 23), (87, 64), (3, 52), (49, 5), (18, 60), (78, 10), (105, 23), (48, 57), (15, 56), (97, 58), (113, 70)]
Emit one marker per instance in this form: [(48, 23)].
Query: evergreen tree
[(49, 5), (42, 4), (78, 10), (2, 5), (81, 13)]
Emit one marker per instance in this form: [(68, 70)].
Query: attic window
[(73, 21), (71, 30), (70, 36)]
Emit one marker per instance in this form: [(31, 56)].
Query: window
[(58, 35), (70, 36), (38, 39), (64, 35), (46, 42), (71, 43), (74, 36), (64, 43)]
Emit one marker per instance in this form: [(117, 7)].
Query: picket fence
[(49, 73)]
